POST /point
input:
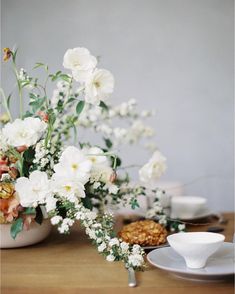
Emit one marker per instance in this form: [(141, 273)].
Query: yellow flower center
[(97, 84), (74, 166), (68, 188)]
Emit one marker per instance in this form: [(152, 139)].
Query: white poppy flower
[(73, 165), (95, 155), (153, 170), (68, 188), (24, 132), (81, 62), (99, 86), (33, 190)]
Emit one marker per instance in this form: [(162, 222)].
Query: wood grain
[(70, 264)]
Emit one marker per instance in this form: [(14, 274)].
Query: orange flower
[(7, 54)]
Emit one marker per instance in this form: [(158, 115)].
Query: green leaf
[(103, 105), (37, 104), (30, 210), (71, 99), (40, 64), (16, 227), (27, 114), (65, 78), (87, 202), (29, 154), (39, 215), (33, 96), (80, 106), (108, 143)]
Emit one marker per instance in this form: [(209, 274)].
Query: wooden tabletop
[(70, 264)]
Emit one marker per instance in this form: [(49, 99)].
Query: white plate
[(219, 266)]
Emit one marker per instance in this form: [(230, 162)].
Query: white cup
[(195, 247), (186, 207)]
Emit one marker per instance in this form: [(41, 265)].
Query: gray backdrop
[(172, 55)]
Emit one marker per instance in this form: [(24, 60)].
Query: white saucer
[(203, 214), (219, 266)]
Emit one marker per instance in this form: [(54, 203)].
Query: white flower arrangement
[(72, 183)]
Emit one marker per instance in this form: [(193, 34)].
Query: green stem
[(21, 100)]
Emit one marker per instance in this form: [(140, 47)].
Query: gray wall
[(172, 55)]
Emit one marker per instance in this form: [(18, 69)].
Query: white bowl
[(35, 234), (185, 207), (195, 247)]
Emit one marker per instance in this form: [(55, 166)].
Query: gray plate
[(219, 266)]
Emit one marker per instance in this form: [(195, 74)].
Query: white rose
[(73, 165), (33, 190), (99, 86), (81, 62), (24, 132), (153, 170)]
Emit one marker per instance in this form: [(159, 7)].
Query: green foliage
[(37, 104), (108, 143), (39, 215), (87, 202), (134, 203), (16, 227), (80, 106), (40, 64), (104, 106), (30, 210)]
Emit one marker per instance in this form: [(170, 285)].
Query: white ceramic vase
[(34, 235)]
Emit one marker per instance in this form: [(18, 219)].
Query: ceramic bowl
[(34, 235), (195, 247), (185, 207)]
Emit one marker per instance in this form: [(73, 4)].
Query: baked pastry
[(144, 233)]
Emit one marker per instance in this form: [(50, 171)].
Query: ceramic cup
[(195, 247), (185, 207)]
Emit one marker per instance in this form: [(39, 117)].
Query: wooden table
[(70, 264)]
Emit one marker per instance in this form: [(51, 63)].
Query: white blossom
[(153, 169), (125, 247), (24, 132), (99, 86), (113, 242), (102, 247), (74, 165), (33, 190), (50, 203), (110, 257), (56, 219), (136, 260), (68, 188), (81, 62)]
